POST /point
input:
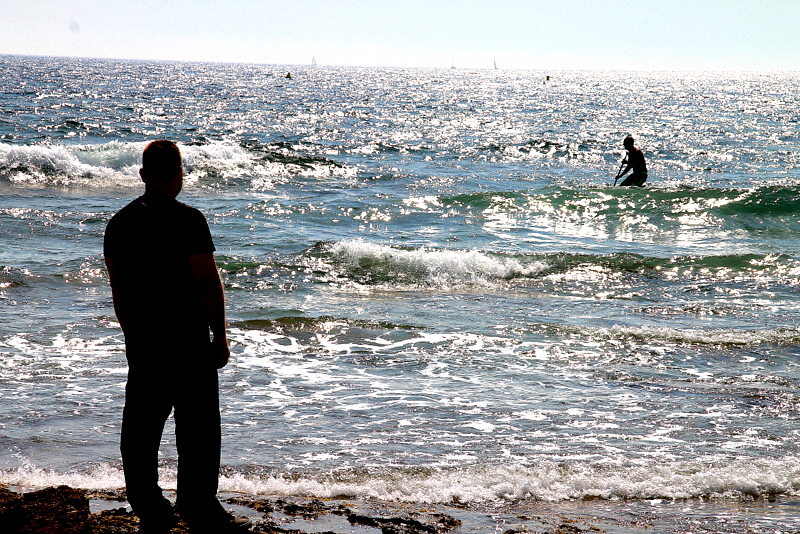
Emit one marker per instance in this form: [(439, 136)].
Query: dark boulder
[(61, 510)]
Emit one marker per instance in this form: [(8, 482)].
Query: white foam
[(476, 485), (438, 268), (547, 481), (259, 344), (719, 336), (117, 164), (48, 165), (103, 476)]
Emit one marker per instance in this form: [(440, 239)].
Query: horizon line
[(322, 65)]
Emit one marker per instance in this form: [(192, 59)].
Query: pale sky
[(517, 34)]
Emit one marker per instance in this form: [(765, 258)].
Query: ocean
[(436, 295)]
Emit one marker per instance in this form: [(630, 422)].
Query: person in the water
[(634, 161)]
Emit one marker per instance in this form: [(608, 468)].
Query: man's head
[(162, 169), (628, 142)]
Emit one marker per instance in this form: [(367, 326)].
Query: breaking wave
[(479, 484), (116, 165)]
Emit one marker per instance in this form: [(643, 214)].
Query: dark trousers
[(150, 395)]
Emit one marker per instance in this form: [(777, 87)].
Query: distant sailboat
[(313, 62), (452, 65), (495, 64)]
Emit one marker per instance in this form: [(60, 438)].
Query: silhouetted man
[(634, 160), (169, 300)]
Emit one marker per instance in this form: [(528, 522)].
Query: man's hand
[(220, 352), (212, 298)]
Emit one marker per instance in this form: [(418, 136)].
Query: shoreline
[(67, 510)]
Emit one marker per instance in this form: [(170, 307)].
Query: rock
[(117, 521), (64, 510), (310, 510), (406, 524), (61, 510), (10, 510)]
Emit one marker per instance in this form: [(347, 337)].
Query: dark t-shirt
[(150, 241)]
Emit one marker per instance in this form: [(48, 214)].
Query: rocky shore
[(66, 510)]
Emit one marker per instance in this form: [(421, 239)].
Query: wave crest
[(116, 164), (384, 265), (744, 478)]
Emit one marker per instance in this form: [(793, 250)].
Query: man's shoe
[(230, 524), (161, 522), (162, 526), (239, 523)]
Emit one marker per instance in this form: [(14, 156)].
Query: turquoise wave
[(769, 201), (382, 265)]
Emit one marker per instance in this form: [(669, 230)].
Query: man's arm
[(206, 278), (621, 173), (121, 302)]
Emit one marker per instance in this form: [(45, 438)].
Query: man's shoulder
[(161, 205), (636, 154), (187, 208), (190, 214), (169, 211), (132, 204), (126, 211)]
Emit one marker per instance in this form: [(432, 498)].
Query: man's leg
[(636, 179), (198, 437), (146, 411)]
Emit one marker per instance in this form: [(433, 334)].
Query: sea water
[(435, 294)]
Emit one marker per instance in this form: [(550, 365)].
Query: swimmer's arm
[(625, 161)]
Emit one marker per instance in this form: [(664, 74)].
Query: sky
[(516, 34)]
